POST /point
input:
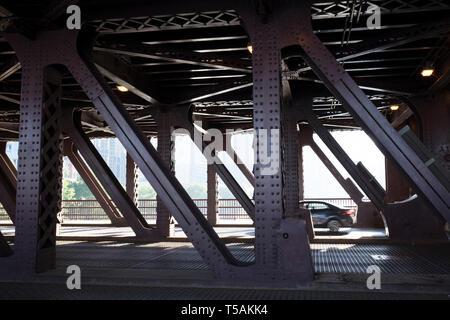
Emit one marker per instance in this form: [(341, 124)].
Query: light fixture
[(122, 88), (394, 107), (250, 48), (427, 69)]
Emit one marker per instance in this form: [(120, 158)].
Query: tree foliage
[(76, 190), (145, 192)]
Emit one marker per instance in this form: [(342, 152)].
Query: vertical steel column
[(131, 177), (281, 243), (290, 162), (164, 223), (8, 182), (39, 182), (213, 195)]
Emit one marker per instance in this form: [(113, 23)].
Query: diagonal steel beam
[(94, 186), (175, 198), (370, 187), (394, 38), (226, 87), (71, 125), (390, 39), (9, 67), (306, 138), (123, 74), (180, 119), (223, 172), (177, 55), (237, 160), (296, 18)]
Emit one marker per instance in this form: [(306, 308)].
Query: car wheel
[(333, 225)]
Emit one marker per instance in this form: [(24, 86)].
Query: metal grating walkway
[(89, 292), (328, 258), (172, 270)]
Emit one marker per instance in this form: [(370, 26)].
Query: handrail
[(229, 209)]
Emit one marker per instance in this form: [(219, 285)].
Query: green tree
[(146, 191), (80, 190), (68, 190)]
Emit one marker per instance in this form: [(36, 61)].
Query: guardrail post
[(131, 179), (213, 195), (164, 221)]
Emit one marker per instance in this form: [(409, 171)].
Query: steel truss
[(39, 179), (189, 217), (368, 216), (282, 252), (94, 186), (400, 218), (319, 10), (289, 260), (71, 125), (179, 117), (167, 22), (294, 19)]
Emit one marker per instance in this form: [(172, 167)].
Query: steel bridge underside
[(314, 67)]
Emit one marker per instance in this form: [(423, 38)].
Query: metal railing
[(229, 209)]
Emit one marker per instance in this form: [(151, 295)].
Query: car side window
[(317, 206)]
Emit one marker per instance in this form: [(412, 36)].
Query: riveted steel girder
[(281, 241), (78, 61), (39, 179)]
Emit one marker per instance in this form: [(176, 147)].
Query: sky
[(190, 165)]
